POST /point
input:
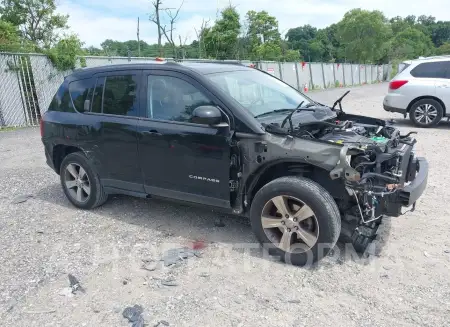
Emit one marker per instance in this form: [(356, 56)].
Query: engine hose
[(380, 176), (365, 164)]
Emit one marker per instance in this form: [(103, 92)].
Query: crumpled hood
[(302, 116)]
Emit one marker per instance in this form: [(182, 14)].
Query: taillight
[(41, 126), (395, 85)]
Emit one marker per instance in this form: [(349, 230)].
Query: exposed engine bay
[(376, 160), (376, 163)]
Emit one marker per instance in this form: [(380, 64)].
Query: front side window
[(258, 92), (173, 99), (438, 69)]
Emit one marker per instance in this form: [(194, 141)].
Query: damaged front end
[(380, 169), (382, 175), (374, 163)]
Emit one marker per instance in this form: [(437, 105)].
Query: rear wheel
[(81, 183), (426, 113), (296, 219)]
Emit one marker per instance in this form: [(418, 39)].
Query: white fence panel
[(328, 72), (289, 73), (304, 77), (339, 73), (317, 76), (271, 68)]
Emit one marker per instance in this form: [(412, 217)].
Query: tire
[(432, 109), (96, 196), (326, 217)]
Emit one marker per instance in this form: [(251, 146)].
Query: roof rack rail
[(209, 61), (433, 57)]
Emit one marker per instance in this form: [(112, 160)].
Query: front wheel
[(296, 219)]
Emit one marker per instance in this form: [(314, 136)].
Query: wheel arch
[(60, 151), (281, 168), (427, 97)]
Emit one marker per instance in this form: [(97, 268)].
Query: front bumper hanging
[(413, 191)]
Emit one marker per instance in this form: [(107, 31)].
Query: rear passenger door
[(114, 114)]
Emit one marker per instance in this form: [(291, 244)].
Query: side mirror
[(207, 115)]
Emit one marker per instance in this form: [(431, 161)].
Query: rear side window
[(98, 95), (81, 93), (437, 69), (115, 95), (120, 96)]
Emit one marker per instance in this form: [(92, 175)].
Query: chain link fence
[(28, 82)]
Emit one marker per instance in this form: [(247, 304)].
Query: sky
[(95, 21)]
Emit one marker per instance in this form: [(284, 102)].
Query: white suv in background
[(422, 90)]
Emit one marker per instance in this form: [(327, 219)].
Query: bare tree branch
[(155, 18), (200, 34), (173, 18)]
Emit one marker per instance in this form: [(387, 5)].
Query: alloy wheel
[(290, 224), (425, 114), (77, 182)]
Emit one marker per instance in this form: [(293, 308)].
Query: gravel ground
[(45, 238)]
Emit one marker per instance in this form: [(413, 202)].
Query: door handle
[(152, 132)]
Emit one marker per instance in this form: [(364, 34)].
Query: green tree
[(444, 49), (411, 43), (64, 54), (94, 51), (363, 35), (267, 51), (36, 19), (291, 55), (440, 33), (264, 37), (221, 40), (399, 24), (9, 37), (300, 38)]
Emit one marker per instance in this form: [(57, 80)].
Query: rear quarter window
[(402, 67), (61, 101), (437, 69), (81, 94)]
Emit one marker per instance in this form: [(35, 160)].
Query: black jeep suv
[(235, 138)]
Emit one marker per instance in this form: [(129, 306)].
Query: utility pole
[(139, 42)]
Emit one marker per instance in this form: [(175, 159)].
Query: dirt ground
[(233, 283)]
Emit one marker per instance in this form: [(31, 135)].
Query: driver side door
[(180, 159)]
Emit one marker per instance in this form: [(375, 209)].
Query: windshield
[(258, 92)]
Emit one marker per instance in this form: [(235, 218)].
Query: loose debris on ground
[(174, 256), (169, 282), (22, 198), (75, 284), (134, 315)]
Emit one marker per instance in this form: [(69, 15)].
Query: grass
[(8, 128)]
